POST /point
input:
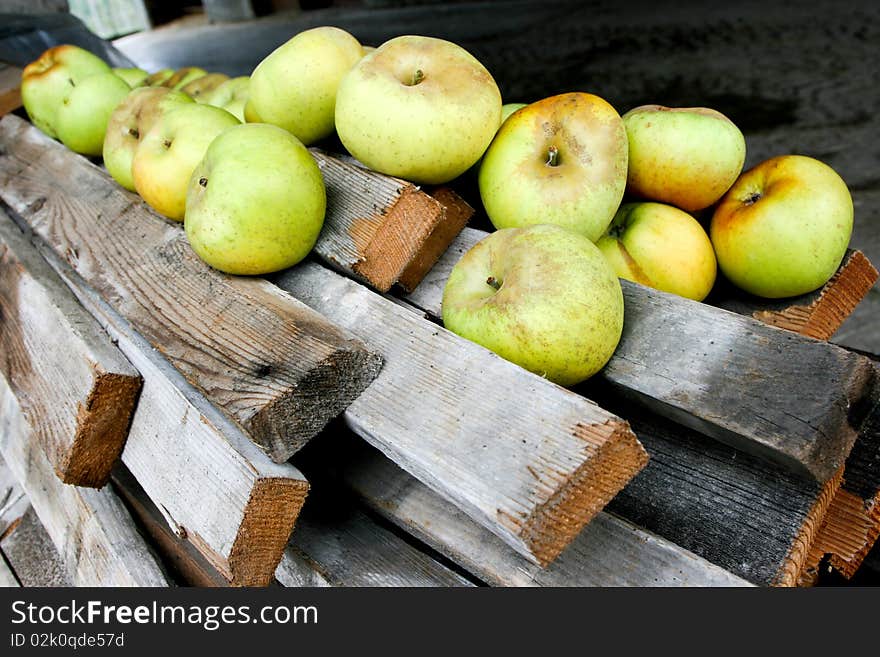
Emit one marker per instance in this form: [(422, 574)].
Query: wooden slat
[(275, 367), (335, 544), (30, 552), (818, 314), (525, 458), (10, 88), (608, 552), (75, 387), (213, 485), (179, 555), (93, 533), (13, 501), (7, 577), (381, 229), (772, 393)]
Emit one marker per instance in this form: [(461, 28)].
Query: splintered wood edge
[(456, 214), (797, 560), (835, 302), (265, 529), (406, 227), (102, 425), (619, 456)]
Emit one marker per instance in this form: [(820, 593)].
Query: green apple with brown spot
[(540, 296), (783, 227), (158, 78), (684, 156), (295, 86), (130, 121), (662, 247), (166, 157), (85, 111), (256, 202), (418, 108), (204, 85), (561, 160), (183, 76), (46, 81)]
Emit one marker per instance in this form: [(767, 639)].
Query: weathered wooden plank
[(771, 393), (381, 229), (29, 550), (178, 555), (7, 577), (527, 459), (10, 88), (818, 314), (75, 387), (13, 502), (272, 365), (335, 544), (214, 486), (93, 533), (608, 552)]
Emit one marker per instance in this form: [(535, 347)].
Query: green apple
[(294, 87), (561, 160), (662, 247), (135, 77), (250, 114), (540, 296), (783, 227), (418, 108), (183, 76), (686, 156), (159, 78), (168, 153), (256, 202), (128, 124), (204, 85), (232, 96), (46, 81), (509, 108), (82, 118)]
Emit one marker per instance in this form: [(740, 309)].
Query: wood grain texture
[(7, 577), (272, 365), (74, 386), (818, 314), (13, 501), (335, 544), (31, 554), (780, 396), (212, 484), (609, 551), (10, 88), (93, 533), (529, 460), (179, 556), (382, 229)]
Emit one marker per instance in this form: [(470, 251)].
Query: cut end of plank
[(101, 430), (827, 310), (269, 516), (284, 426), (619, 457), (797, 562)]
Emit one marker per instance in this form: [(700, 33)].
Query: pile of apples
[(579, 194)]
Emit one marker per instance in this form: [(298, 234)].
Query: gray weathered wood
[(214, 486), (10, 88), (74, 386), (527, 459), (608, 552), (30, 552), (382, 229), (93, 533), (13, 502), (7, 577), (772, 393), (335, 544), (274, 366)]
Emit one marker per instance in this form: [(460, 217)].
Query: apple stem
[(493, 282), (417, 77), (203, 182), (134, 133), (753, 198), (552, 156)]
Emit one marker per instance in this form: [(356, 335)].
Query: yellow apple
[(203, 85)]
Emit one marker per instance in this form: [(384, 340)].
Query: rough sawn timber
[(277, 368), (74, 386), (525, 458), (772, 393), (384, 230), (95, 536)]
